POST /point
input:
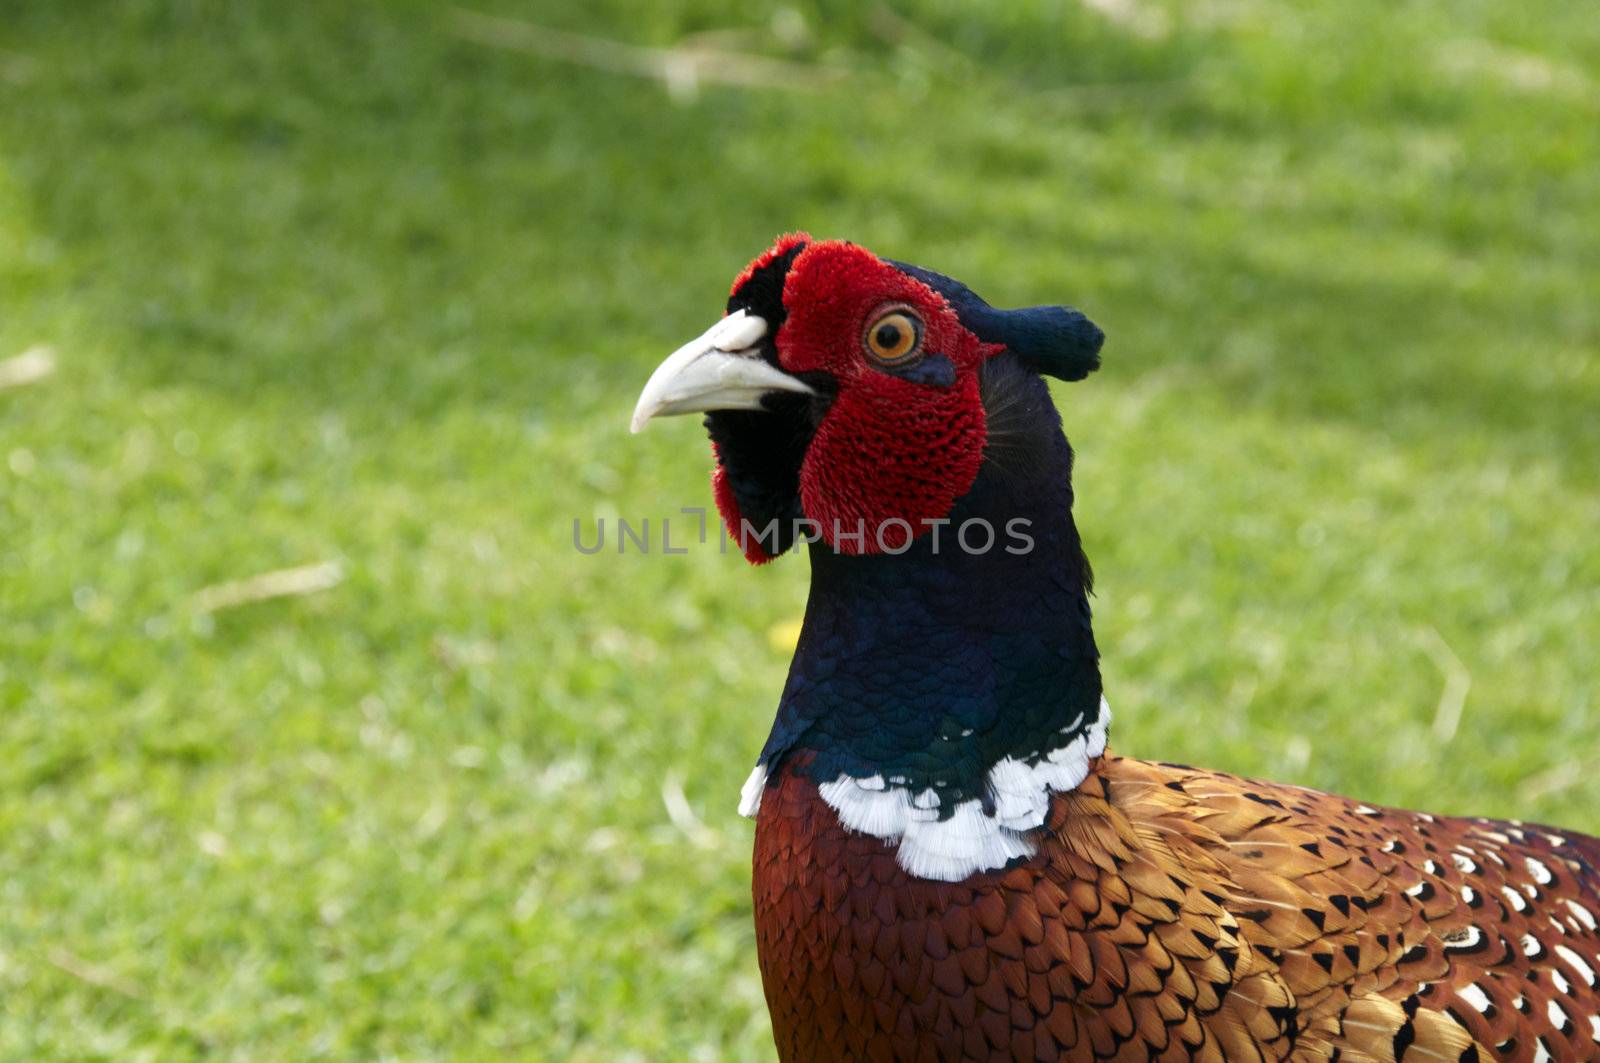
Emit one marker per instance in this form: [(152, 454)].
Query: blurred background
[(321, 324)]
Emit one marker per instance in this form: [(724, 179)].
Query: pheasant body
[(1178, 914), (948, 863)]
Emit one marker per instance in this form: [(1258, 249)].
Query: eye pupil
[(888, 336)]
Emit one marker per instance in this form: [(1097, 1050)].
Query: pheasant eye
[(894, 336)]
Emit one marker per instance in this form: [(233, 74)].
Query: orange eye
[(894, 336)]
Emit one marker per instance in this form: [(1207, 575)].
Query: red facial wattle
[(897, 448)]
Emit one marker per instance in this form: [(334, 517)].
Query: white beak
[(720, 370)]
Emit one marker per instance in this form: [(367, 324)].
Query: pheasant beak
[(722, 369)]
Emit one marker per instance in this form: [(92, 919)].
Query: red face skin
[(899, 443)]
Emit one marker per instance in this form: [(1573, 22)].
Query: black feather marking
[(1403, 1038)]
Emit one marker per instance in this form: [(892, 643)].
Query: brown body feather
[(1179, 914)]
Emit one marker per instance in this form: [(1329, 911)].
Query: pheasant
[(949, 863)]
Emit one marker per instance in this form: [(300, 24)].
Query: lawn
[(366, 291)]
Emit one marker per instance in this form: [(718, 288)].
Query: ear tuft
[(1055, 340)]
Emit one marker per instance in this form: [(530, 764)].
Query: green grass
[(346, 285)]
